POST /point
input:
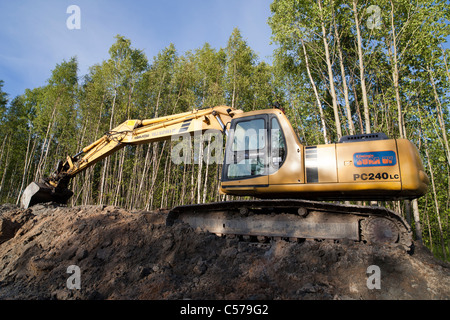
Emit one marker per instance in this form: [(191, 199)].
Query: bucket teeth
[(38, 192)]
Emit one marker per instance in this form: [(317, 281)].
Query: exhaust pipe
[(41, 192)]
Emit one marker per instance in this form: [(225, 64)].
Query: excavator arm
[(130, 132)]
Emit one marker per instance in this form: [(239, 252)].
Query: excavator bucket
[(39, 192)]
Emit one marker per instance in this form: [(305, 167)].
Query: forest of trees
[(339, 67)]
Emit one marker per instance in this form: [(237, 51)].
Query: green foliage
[(405, 72), (240, 66)]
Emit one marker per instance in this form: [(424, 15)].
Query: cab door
[(247, 153)]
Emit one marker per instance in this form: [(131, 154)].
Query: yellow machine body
[(264, 158)]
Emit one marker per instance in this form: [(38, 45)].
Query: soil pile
[(121, 254)]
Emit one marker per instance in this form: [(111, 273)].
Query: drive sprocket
[(382, 230)]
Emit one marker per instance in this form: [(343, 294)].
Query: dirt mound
[(47, 252)]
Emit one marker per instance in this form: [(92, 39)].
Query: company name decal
[(375, 159)]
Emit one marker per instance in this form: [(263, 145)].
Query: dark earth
[(133, 255)]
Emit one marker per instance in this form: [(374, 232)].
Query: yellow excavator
[(265, 159)]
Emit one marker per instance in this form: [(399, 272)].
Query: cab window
[(248, 156), (249, 135), (277, 145)]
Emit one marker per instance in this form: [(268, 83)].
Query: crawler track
[(297, 219)]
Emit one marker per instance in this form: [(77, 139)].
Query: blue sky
[(34, 36)]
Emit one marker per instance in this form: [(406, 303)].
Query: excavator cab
[(255, 150)]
